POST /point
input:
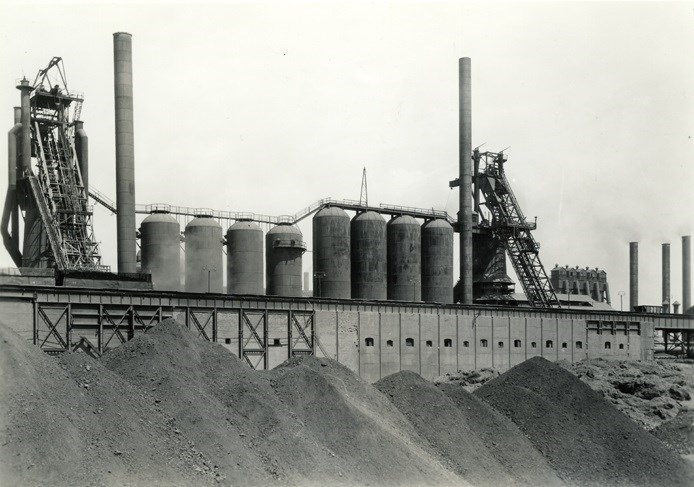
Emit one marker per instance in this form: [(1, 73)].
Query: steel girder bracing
[(62, 327), (253, 335), (57, 188), (509, 224)]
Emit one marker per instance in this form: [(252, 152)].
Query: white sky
[(268, 107)]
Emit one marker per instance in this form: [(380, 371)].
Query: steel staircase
[(510, 225)]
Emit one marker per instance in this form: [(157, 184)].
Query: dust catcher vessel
[(331, 254), (203, 237), (160, 242), (244, 242), (404, 259), (284, 247)]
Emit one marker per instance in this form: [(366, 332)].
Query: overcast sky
[(269, 106)]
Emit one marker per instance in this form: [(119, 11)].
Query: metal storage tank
[(331, 254), (368, 242), (244, 258), (437, 262), (404, 259), (160, 244), (284, 247), (204, 255)]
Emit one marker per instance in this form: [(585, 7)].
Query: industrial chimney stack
[(125, 151), (633, 275), (686, 273), (465, 156), (666, 278)]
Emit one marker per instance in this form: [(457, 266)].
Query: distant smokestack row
[(125, 151), (686, 273), (666, 289), (465, 155), (633, 275)]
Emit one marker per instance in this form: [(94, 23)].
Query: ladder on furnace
[(511, 227)]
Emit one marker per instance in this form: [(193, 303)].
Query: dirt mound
[(440, 419), (307, 421), (503, 439), (584, 438), (650, 393), (468, 379), (77, 424), (678, 434)]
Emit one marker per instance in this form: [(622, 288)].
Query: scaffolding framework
[(56, 188), (507, 222)]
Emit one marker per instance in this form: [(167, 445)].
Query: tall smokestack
[(465, 155), (686, 273), (125, 151), (666, 277), (633, 274)]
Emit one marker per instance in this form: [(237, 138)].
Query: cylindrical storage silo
[(404, 259), (160, 244), (437, 262), (284, 247), (204, 255), (244, 258), (331, 254), (368, 242)]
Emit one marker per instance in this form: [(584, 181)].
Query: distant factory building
[(588, 282)]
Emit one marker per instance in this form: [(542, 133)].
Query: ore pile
[(169, 408), (308, 421), (77, 423), (584, 438), (477, 442)]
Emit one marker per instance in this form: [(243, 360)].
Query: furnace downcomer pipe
[(465, 156), (125, 151), (82, 149), (26, 90), (686, 273), (633, 275), (11, 210)]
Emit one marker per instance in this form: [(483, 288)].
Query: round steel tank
[(368, 242), (204, 255), (404, 259), (437, 262), (284, 247), (160, 244), (244, 258), (331, 254)]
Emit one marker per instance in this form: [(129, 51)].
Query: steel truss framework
[(510, 225), (678, 343), (59, 327)]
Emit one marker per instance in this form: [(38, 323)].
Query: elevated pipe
[(25, 88), (686, 273), (633, 275), (82, 149), (465, 168), (666, 277), (125, 152), (11, 211)]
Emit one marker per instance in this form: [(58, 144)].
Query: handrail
[(354, 205)]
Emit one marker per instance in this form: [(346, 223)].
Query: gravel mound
[(678, 434), (502, 438), (71, 422), (445, 422), (585, 439), (308, 421), (650, 393)]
